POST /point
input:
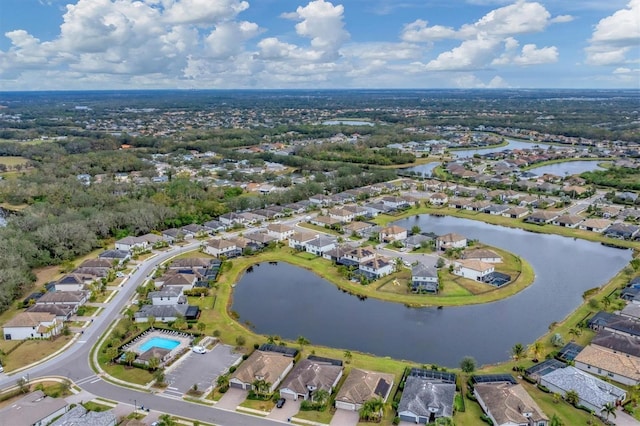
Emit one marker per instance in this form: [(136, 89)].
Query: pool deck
[(183, 338)]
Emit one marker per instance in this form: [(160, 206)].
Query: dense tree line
[(622, 178)]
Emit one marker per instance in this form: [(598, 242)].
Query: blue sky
[(225, 44)]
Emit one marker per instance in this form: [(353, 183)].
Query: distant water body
[(347, 123)]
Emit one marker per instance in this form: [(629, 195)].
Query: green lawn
[(32, 351), (258, 404), (94, 406)]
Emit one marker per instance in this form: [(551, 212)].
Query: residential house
[(280, 231), (30, 325), (343, 215), (271, 367), (357, 255), (97, 263), (361, 386), (473, 269), (450, 241), (250, 219), (75, 298), (541, 217), (358, 228), (320, 200), (190, 263), (218, 247), (115, 256), (622, 231), (496, 209), (516, 212), (62, 312), (424, 278), (170, 296), (395, 202), (194, 230), (214, 226), (167, 313), (439, 199), (568, 220), (309, 376), (616, 323), (393, 233), (320, 245), (631, 310), (173, 235), (299, 239), (377, 208), (73, 282), (593, 392), (230, 219), (594, 225), (416, 241), (619, 367), (483, 255), (131, 244), (377, 267), (507, 404), (460, 203), (427, 397), (260, 238), (80, 416), (33, 409), (324, 221), (358, 211), (178, 281)]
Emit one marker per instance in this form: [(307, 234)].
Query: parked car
[(199, 350), (280, 402)]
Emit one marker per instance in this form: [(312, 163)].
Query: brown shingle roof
[(30, 319), (361, 385)]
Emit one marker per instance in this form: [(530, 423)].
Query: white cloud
[(518, 18), (529, 55), (561, 19), (614, 36), (228, 38), (470, 55), (419, 31), (202, 11)]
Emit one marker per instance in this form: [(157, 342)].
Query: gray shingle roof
[(423, 397), (590, 389)]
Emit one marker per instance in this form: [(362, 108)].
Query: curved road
[(74, 361)]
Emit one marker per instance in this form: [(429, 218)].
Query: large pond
[(512, 144), (289, 301), (567, 168)]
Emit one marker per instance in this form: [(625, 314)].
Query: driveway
[(232, 398), (428, 259), (200, 369), (623, 419), (288, 410), (344, 418)]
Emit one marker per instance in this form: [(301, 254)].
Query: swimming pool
[(159, 342)]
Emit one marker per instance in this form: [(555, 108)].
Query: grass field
[(11, 162), (32, 351)]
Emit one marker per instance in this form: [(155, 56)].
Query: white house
[(473, 269), (377, 267), (28, 325), (219, 247), (299, 240), (424, 278), (393, 233), (621, 367), (439, 199), (131, 243), (71, 282), (593, 392), (483, 255), (395, 202), (595, 225), (280, 231), (171, 296), (321, 245), (450, 241), (342, 215)]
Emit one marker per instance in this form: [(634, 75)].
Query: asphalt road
[(73, 363)]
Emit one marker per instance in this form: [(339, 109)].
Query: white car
[(199, 350)]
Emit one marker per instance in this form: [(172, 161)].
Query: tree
[(373, 409), (572, 397), (536, 350), (608, 409), (112, 353), (468, 364), (158, 375), (556, 421), (151, 320), (575, 332), (129, 357), (180, 324), (153, 363), (223, 381), (347, 357), (302, 341), (23, 384), (166, 420), (415, 230), (201, 327), (517, 351), (321, 397), (261, 387), (606, 302)]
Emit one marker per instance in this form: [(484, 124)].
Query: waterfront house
[(393, 233), (309, 376), (508, 404), (361, 386), (271, 367), (218, 247), (427, 396), (424, 278), (473, 269), (450, 241), (280, 231), (594, 225)]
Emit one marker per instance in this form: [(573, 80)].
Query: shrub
[(486, 419), (543, 388), (232, 369)]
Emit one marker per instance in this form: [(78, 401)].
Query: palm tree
[(517, 351), (302, 341), (575, 332), (151, 320), (223, 381), (608, 409), (372, 409), (129, 357), (536, 349), (320, 397), (572, 397), (261, 387), (347, 357), (556, 421), (112, 353), (166, 420), (153, 363), (606, 301)]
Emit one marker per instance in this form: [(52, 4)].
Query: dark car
[(280, 402)]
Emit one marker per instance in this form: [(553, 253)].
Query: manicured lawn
[(316, 416), (258, 404), (94, 406), (313, 227), (120, 371), (32, 351)]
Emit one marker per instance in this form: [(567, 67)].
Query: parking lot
[(200, 369)]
